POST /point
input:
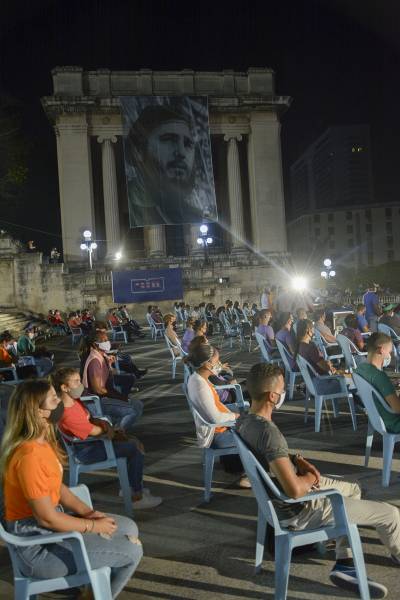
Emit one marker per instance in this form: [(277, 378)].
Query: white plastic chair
[(266, 354), (209, 454), (265, 491), (156, 329), (26, 588), (369, 397), (14, 377), (352, 355), (229, 331), (290, 374), (396, 343), (175, 357), (77, 333), (323, 345), (117, 331), (310, 378)]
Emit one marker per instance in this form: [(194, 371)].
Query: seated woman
[(77, 421), (169, 322), (204, 359), (352, 332), (225, 374), (188, 335), (308, 350), (35, 498), (200, 327), (125, 361), (99, 379), (9, 360), (26, 346)]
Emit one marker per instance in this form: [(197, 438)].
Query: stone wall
[(29, 282)]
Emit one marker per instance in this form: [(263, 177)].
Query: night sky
[(338, 59)]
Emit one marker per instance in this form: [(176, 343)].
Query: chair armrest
[(337, 502), (51, 538), (314, 495), (108, 445), (340, 378)]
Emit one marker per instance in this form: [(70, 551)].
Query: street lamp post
[(328, 271), (204, 240), (88, 245)]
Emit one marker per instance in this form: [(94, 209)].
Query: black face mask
[(56, 414)]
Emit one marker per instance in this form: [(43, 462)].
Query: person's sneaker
[(145, 492), (147, 501), (346, 577), (244, 483), (141, 373)]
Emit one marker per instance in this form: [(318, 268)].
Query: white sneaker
[(147, 501), (145, 492)]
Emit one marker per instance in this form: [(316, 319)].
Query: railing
[(384, 299)]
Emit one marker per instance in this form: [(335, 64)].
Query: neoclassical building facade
[(244, 113)]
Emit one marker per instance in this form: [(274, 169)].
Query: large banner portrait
[(168, 162)]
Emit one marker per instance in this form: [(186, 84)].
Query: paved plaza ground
[(203, 551)]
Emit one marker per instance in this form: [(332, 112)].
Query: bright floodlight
[(203, 228), (332, 273), (299, 283), (327, 262), (87, 234), (324, 274), (200, 241), (118, 255), (209, 240), (94, 246), (83, 246)]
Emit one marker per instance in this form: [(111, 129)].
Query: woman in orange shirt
[(35, 497)]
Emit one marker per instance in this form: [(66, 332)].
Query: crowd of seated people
[(14, 353)]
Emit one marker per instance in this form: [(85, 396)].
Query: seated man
[(361, 320), (156, 315), (352, 332), (380, 347), (76, 421), (390, 318), (26, 346), (9, 360), (296, 477)]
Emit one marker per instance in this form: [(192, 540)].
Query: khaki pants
[(384, 517)]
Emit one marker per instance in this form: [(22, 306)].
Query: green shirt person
[(379, 355), (26, 343)]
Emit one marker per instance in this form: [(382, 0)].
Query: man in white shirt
[(265, 298)]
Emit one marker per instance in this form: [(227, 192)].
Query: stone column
[(156, 246), (75, 182), (265, 183), (235, 192), (110, 193)]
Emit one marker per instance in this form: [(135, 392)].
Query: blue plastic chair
[(323, 345), (14, 377), (396, 343), (286, 540), (117, 331), (27, 588), (369, 397), (265, 353), (230, 331), (352, 355), (112, 462), (156, 329), (76, 333), (310, 378), (290, 374), (209, 454), (175, 357)]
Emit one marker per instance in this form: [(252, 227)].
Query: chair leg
[(283, 557), (124, 483), (335, 408), (388, 445), (21, 590), (173, 369), (101, 584), (306, 401), (353, 412), (318, 411), (73, 475), (368, 445), (208, 473), (358, 559), (292, 378), (260, 542)]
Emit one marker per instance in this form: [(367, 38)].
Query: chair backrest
[(261, 342), (347, 346), (286, 356), (369, 396), (308, 374), (150, 321), (320, 342), (172, 346), (76, 330), (187, 371), (388, 331), (264, 489)]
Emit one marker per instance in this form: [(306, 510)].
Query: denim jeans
[(124, 381), (95, 452), (57, 560), (223, 440), (122, 414)]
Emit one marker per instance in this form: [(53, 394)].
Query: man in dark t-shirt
[(296, 477)]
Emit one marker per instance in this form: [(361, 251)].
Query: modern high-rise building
[(335, 171)]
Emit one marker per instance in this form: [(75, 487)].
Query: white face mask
[(280, 401), (106, 346), (387, 360), (216, 369)]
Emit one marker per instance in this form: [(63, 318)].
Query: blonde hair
[(168, 318), (23, 422)]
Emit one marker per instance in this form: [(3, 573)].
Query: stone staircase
[(13, 321)]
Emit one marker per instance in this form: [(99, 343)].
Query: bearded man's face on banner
[(171, 153)]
